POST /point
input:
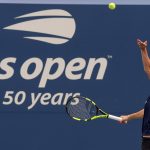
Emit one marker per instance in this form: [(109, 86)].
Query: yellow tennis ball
[(112, 6)]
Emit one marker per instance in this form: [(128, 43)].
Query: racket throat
[(99, 117)]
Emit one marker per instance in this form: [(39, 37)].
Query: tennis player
[(144, 113)]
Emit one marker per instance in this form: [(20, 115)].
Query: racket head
[(83, 109)]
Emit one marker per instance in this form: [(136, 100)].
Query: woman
[(144, 113)]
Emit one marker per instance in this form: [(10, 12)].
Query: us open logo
[(53, 26), (56, 26)]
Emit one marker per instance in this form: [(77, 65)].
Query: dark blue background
[(100, 32)]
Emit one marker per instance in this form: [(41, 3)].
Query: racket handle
[(115, 118)]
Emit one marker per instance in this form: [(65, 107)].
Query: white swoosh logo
[(59, 25)]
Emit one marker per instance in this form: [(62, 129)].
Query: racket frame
[(104, 114)]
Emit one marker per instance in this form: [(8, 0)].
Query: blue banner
[(52, 52)]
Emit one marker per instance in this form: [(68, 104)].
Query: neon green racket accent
[(93, 103), (76, 118), (79, 119), (100, 116), (87, 99), (90, 100)]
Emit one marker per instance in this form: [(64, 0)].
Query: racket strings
[(78, 111), (79, 115), (83, 109), (72, 112)]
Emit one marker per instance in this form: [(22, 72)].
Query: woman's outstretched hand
[(142, 45)]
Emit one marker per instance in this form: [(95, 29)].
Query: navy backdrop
[(100, 32)]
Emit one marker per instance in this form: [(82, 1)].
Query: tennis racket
[(83, 109)]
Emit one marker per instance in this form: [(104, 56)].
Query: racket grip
[(115, 118)]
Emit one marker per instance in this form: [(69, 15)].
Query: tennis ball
[(112, 6)]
